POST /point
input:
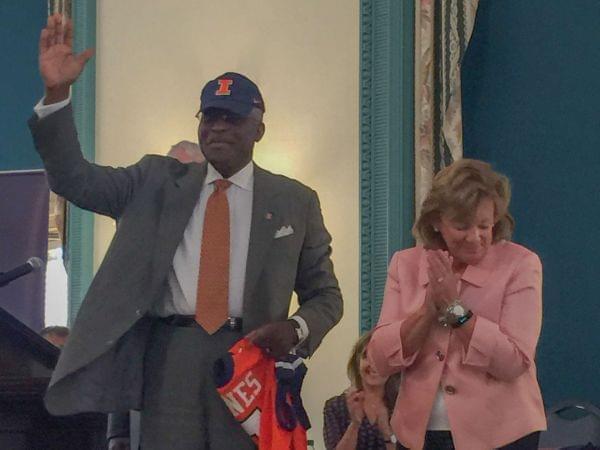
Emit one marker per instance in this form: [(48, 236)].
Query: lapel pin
[(268, 216)]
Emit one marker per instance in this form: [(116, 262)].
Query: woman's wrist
[(355, 421), (429, 311)]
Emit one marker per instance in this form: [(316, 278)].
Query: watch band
[(462, 320)]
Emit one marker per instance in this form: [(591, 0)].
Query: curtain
[(443, 30)]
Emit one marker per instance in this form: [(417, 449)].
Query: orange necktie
[(213, 280)]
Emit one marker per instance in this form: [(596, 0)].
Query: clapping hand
[(443, 283), (59, 66), (354, 403), (382, 421)]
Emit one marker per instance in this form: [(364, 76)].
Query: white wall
[(153, 59)]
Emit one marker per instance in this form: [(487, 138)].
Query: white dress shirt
[(183, 276)]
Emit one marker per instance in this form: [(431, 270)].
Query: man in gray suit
[(137, 342)]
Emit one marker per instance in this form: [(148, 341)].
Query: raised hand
[(59, 66)]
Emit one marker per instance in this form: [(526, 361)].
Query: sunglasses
[(212, 116)]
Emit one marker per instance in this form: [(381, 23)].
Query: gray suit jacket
[(100, 369)]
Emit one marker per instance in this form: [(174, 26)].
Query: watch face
[(457, 310)]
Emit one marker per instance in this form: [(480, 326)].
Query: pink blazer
[(490, 390)]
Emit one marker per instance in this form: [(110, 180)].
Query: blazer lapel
[(265, 217), (178, 202)]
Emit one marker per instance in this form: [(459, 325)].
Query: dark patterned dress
[(337, 419)]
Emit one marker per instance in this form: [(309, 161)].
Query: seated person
[(359, 418)]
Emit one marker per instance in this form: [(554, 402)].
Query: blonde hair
[(353, 367), (353, 370), (457, 190)]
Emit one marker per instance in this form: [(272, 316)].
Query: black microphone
[(33, 263)]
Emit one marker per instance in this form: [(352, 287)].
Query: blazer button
[(450, 390), (439, 355)]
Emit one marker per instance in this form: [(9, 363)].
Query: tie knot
[(222, 185)]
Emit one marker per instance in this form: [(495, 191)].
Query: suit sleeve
[(317, 287), (100, 189), (117, 425), (506, 349)]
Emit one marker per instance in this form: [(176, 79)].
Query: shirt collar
[(243, 178)]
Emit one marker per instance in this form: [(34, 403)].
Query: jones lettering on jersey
[(232, 403), (243, 394), (253, 383)]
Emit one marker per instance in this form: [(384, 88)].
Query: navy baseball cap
[(233, 92)]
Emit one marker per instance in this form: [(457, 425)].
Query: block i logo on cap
[(224, 86)]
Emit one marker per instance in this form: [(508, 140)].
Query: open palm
[(59, 66)]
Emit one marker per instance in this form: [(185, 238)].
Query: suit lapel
[(265, 217), (178, 202), (179, 198)]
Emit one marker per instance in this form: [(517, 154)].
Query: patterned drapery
[(443, 30)]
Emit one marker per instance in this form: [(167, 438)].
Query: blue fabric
[(24, 231), (290, 372)]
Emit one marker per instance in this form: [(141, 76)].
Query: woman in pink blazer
[(461, 319)]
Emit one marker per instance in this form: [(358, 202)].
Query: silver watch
[(454, 314)]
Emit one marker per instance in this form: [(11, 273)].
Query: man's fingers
[(258, 337), (60, 31), (84, 56), (44, 40), (56, 29), (69, 34), (51, 27), (49, 31)]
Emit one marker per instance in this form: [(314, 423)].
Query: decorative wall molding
[(80, 224), (386, 143)]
